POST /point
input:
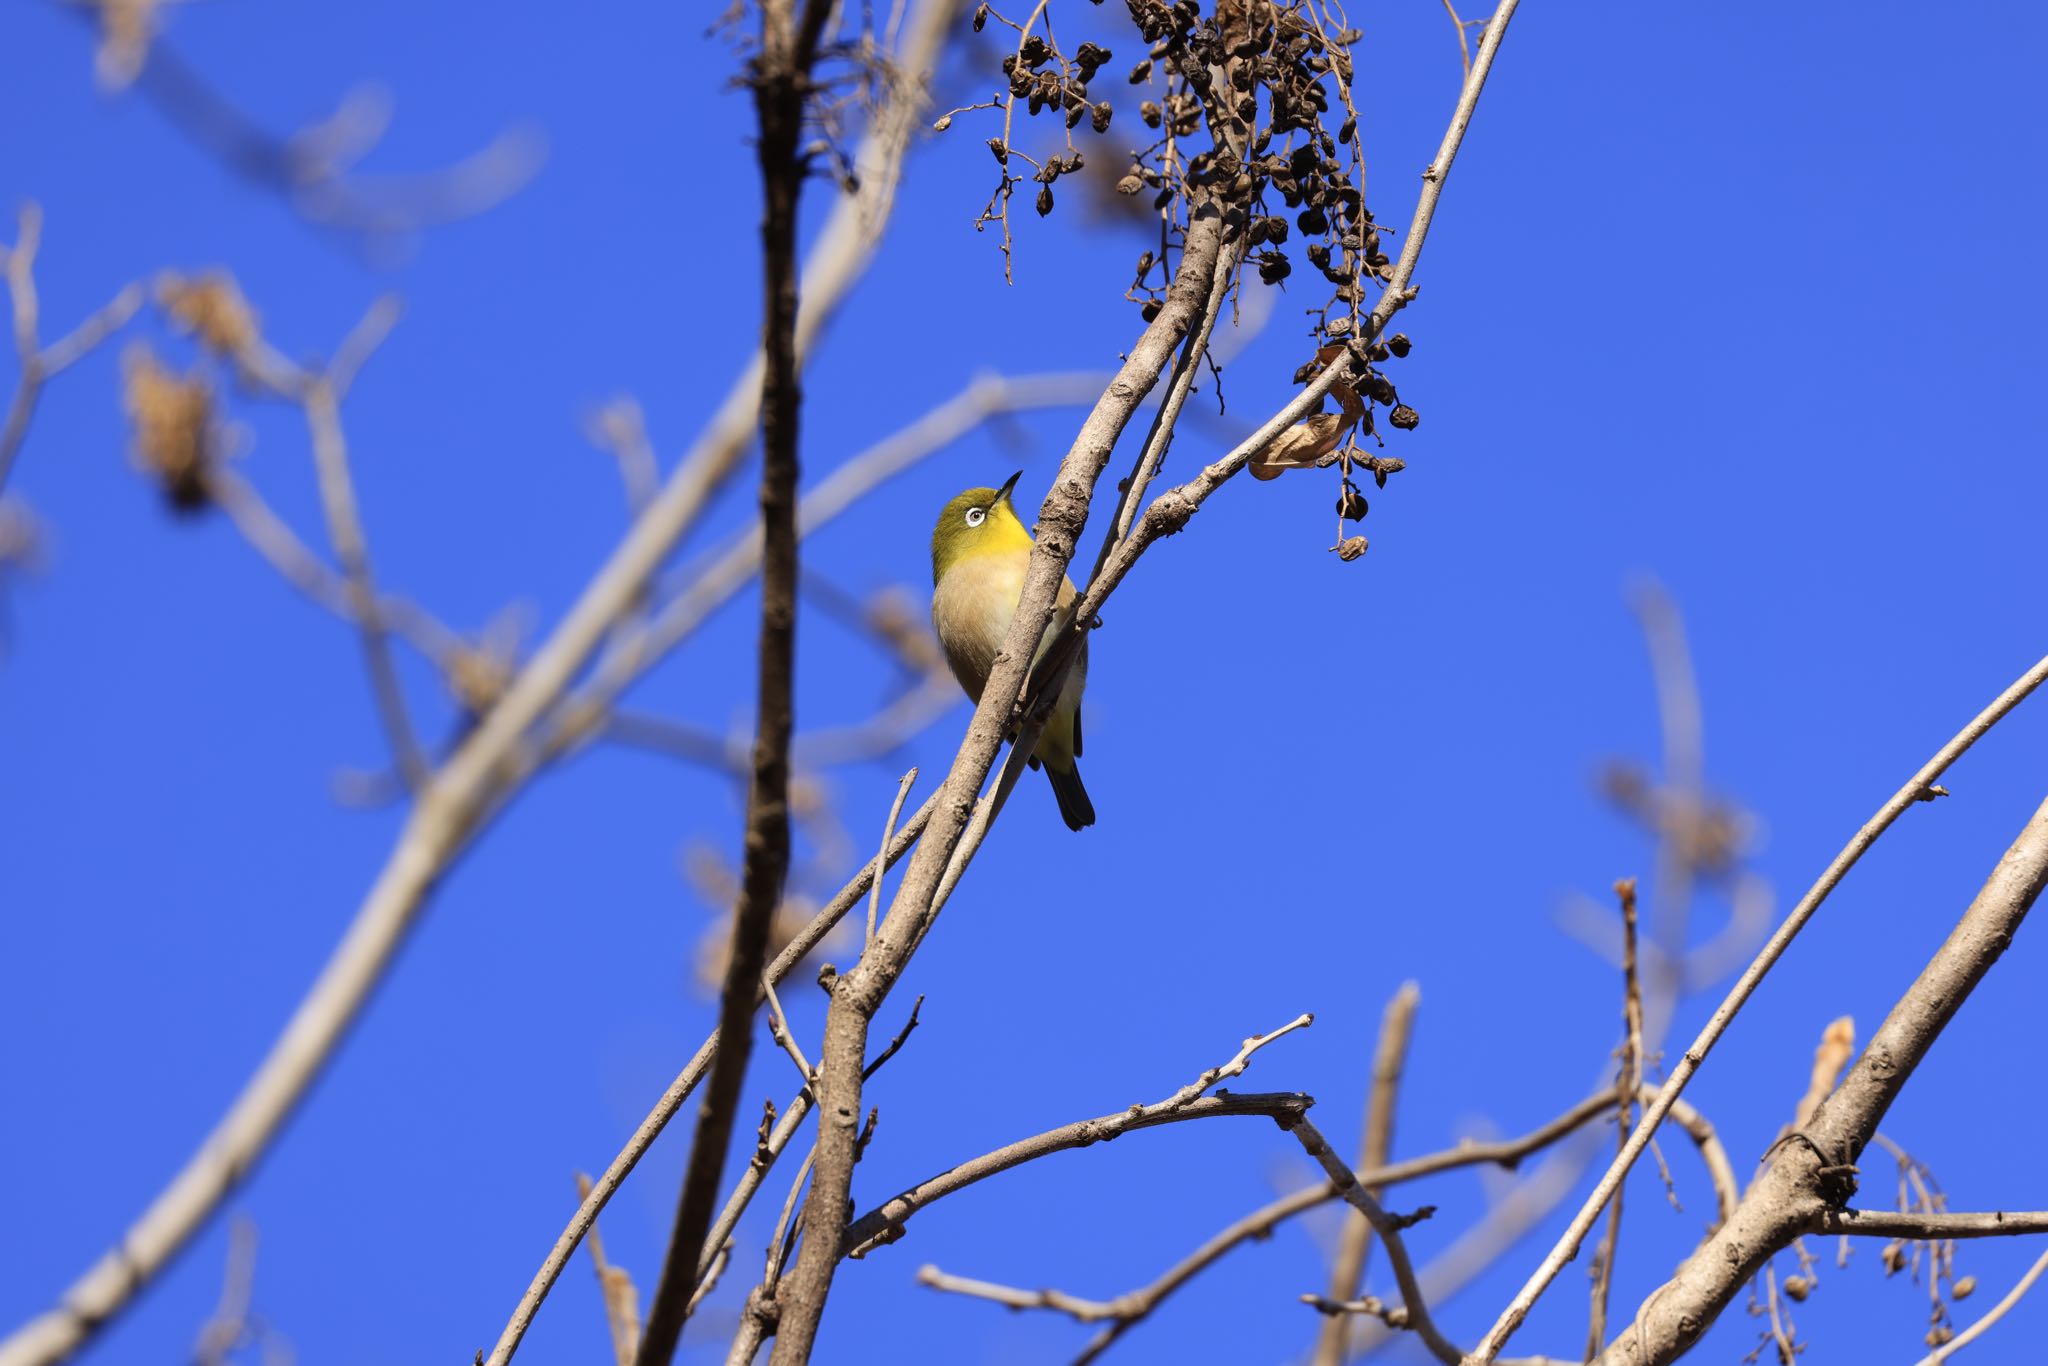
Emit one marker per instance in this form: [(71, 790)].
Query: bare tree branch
[(1415, 1312), (1131, 1308), (1917, 789), (1812, 1173), (884, 1224), (1931, 1225)]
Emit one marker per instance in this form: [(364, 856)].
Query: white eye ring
[(975, 516)]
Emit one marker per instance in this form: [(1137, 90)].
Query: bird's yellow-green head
[(978, 522)]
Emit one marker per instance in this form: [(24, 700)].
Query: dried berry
[(1399, 343), (1351, 505), (1964, 1287), (1044, 204), (1313, 221), (1798, 1288), (1350, 548), (1404, 417)]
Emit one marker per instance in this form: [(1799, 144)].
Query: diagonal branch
[(1917, 789), (884, 1224), (1353, 1192), (1813, 1172)]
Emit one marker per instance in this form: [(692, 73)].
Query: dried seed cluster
[(176, 440), (1251, 111)]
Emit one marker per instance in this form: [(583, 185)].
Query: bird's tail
[(1075, 808)]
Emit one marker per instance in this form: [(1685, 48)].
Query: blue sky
[(1743, 297)]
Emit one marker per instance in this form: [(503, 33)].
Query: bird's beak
[(1003, 493)]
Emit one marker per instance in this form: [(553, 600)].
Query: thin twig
[(1389, 1229), (888, 829), (1912, 793), (345, 533), (778, 1027), (1991, 1316), (1629, 1081), (884, 1224)]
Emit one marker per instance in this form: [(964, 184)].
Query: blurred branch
[(716, 583), (295, 562), (313, 170), (484, 772), (679, 1090), (40, 364), (621, 1300), (351, 548), (1347, 1271), (1917, 789), (229, 1326)]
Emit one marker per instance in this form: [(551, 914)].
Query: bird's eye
[(975, 516)]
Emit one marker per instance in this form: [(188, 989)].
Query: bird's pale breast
[(971, 610)]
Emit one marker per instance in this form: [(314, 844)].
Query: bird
[(980, 550)]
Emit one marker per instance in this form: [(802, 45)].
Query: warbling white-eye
[(979, 553)]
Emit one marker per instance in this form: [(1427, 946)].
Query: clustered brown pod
[(1251, 110)]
